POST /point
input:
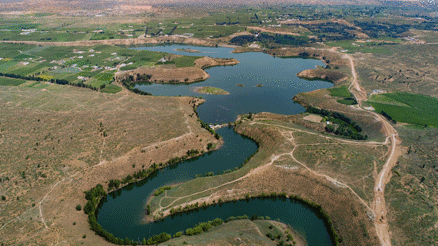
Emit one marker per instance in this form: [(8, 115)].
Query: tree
[(79, 207)]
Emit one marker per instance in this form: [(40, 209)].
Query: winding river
[(122, 212)]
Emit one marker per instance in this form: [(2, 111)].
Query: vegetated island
[(188, 70), (188, 50), (211, 90)]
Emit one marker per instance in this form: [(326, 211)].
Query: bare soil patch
[(313, 118)]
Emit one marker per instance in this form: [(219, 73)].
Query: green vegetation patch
[(211, 90), (68, 70), (11, 82), (6, 65), (107, 77), (339, 91), (343, 91), (418, 109), (111, 89), (348, 101), (185, 61)]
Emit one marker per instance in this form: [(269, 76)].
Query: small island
[(188, 50), (211, 90)]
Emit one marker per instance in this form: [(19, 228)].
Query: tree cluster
[(269, 38), (345, 126)]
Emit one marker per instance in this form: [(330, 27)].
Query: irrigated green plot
[(185, 61), (11, 82), (418, 109), (6, 65), (111, 89), (105, 76), (339, 91)]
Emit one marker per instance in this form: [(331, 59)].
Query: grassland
[(412, 192), (11, 82), (406, 107), (111, 89), (404, 68), (69, 139)]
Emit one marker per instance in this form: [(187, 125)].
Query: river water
[(122, 213)]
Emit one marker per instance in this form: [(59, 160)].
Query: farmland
[(92, 66), (10, 82), (409, 108)]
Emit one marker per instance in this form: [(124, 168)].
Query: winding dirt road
[(384, 176)]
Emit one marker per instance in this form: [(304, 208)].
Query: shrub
[(79, 207)]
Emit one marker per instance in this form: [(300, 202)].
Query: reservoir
[(123, 211)]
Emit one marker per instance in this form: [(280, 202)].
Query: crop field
[(68, 63), (11, 82), (185, 61), (111, 89), (406, 107), (340, 91), (344, 93)]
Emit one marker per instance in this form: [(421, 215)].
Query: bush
[(159, 238), (79, 207)]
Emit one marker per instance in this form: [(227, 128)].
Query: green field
[(406, 107), (185, 61), (111, 89), (344, 93), (11, 82), (339, 91)]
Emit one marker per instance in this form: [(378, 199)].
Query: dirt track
[(379, 205)]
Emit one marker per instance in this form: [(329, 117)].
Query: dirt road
[(384, 176)]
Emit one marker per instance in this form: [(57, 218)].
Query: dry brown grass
[(56, 138), (408, 68)]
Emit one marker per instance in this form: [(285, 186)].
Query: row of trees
[(344, 125), (388, 117), (268, 38), (130, 82)]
